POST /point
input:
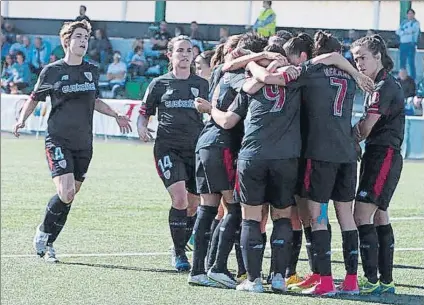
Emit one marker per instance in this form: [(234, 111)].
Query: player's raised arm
[(336, 59), (282, 77)]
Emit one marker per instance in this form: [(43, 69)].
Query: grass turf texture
[(123, 208)]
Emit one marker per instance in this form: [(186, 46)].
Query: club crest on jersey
[(89, 76), (167, 174), (195, 91), (62, 163)]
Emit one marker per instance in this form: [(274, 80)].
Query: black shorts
[(261, 181), (215, 170), (300, 190), (323, 181), (62, 160), (174, 165), (380, 172)]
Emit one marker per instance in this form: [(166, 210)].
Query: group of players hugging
[(278, 140)]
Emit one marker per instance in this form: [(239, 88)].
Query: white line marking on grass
[(125, 254)]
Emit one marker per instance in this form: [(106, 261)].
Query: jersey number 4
[(341, 85), (276, 94)]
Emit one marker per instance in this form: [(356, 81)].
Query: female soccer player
[(215, 174), (173, 94), (382, 127), (72, 85), (288, 98), (203, 64), (331, 156)]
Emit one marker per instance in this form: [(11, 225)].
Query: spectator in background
[(9, 32), (347, 42), (418, 100), (53, 58), (407, 83), (40, 55), (409, 33), (58, 52), (266, 23), (100, 49), (178, 31), (117, 71), (223, 34), (5, 46), (138, 42), (28, 49), (160, 39), (196, 51), (82, 16), (21, 74), (371, 32), (6, 73), (195, 36), (18, 46), (138, 64)]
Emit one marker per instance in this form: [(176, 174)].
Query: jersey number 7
[(276, 94), (341, 85)]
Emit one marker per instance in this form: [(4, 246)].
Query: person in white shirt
[(117, 71)]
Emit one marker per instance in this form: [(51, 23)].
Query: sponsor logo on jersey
[(167, 174), (65, 77), (62, 163), (79, 87), (89, 76), (180, 104), (195, 91)]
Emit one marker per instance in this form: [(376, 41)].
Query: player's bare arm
[(226, 120), (281, 78), (336, 59), (143, 131), (26, 111), (252, 86), (241, 62), (364, 126), (122, 120)]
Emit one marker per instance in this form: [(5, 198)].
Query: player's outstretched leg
[(55, 217), (350, 247), (193, 204), (214, 235), (227, 234), (206, 213), (291, 274), (251, 242), (386, 247), (177, 224), (368, 238), (281, 246)]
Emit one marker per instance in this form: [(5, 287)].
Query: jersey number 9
[(276, 94)]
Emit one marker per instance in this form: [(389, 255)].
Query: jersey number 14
[(341, 85)]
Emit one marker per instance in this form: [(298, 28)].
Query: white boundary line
[(126, 254)]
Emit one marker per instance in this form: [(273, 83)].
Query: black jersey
[(329, 95), (73, 91), (388, 101), (228, 87), (179, 122)]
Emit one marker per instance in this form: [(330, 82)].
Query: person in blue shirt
[(21, 74), (5, 46), (409, 33)]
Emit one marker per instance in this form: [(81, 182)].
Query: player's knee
[(66, 195), (280, 213)]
